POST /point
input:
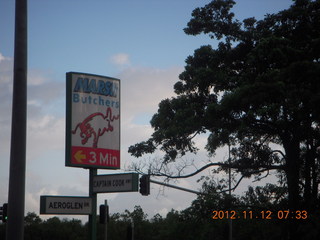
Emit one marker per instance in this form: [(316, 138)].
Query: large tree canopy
[(258, 91)]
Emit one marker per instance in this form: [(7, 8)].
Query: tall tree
[(258, 91)]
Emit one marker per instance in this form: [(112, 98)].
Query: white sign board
[(126, 182), (93, 121), (65, 205)]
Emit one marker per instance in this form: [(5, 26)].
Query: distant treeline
[(260, 214)]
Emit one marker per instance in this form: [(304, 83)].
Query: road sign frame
[(82, 207), (109, 186), (94, 156)]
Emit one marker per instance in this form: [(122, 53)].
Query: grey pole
[(230, 220), (16, 201), (93, 215), (176, 187), (132, 226), (106, 222)]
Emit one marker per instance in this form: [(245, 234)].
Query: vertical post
[(106, 222), (93, 215), (230, 220), (132, 227), (16, 201)]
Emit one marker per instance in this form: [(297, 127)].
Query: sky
[(140, 42)]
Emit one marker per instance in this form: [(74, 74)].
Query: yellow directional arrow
[(79, 156)]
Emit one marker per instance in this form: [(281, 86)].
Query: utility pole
[(230, 220), (132, 227), (16, 201), (106, 220), (93, 215)]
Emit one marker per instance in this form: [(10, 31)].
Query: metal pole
[(16, 201), (230, 220), (106, 222), (176, 187), (132, 226), (93, 215)]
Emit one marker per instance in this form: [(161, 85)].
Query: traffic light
[(103, 214), (4, 212), (145, 185)]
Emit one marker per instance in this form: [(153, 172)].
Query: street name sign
[(65, 205), (123, 182), (93, 121)]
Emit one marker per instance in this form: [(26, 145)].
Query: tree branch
[(265, 168), (280, 152)]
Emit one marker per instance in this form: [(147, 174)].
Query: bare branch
[(280, 152), (259, 178), (235, 186), (233, 166)]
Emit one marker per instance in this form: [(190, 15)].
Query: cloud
[(6, 69), (120, 59), (45, 129), (1, 57), (143, 88), (36, 77), (45, 133)]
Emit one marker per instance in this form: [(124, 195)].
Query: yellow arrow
[(79, 156)]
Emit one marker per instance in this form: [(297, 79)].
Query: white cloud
[(45, 130), (6, 68), (163, 212), (36, 77), (120, 59), (1, 57), (6, 73), (142, 89), (45, 133)]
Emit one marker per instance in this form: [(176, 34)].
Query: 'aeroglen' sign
[(93, 121), (65, 205)]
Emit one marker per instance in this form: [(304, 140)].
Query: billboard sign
[(123, 182), (93, 121), (65, 205)]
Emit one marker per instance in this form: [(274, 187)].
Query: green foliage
[(53, 228), (258, 91)]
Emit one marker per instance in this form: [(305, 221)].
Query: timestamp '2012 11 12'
[(265, 214)]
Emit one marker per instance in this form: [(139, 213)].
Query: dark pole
[(93, 215), (230, 207), (176, 187), (106, 220), (16, 201)]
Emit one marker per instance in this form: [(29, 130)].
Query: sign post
[(93, 215), (106, 222)]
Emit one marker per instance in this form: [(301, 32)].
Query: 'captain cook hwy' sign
[(120, 182), (93, 121)]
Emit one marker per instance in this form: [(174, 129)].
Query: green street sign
[(122, 182), (65, 205)]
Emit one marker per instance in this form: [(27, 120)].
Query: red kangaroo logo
[(87, 131)]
